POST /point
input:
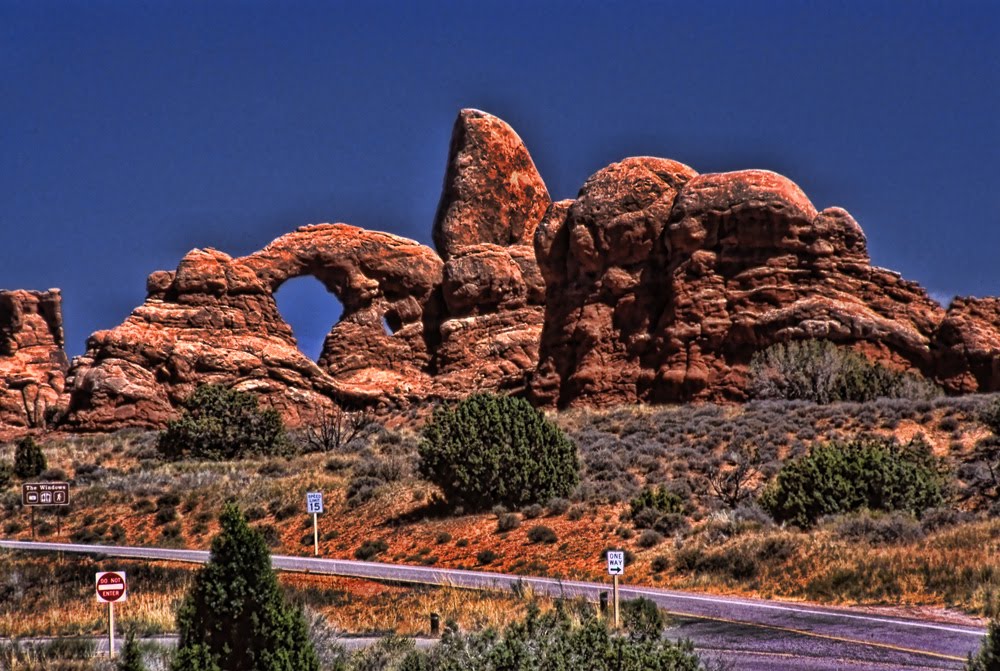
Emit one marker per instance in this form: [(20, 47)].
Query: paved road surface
[(752, 633)]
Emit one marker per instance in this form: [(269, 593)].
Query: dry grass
[(954, 568), (56, 600), (407, 612), (55, 597)]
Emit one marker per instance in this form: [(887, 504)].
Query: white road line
[(807, 611)]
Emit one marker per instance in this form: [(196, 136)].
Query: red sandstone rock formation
[(655, 284), (967, 346), (494, 295), (492, 192), (669, 282), (413, 326), (214, 320), (32, 362)]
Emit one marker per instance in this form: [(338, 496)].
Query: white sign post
[(314, 505), (616, 567), (111, 590)]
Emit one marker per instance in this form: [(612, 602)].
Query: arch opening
[(310, 310), (391, 322)]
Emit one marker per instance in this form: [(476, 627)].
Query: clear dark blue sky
[(132, 131)]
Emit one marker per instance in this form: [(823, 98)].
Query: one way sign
[(616, 562)]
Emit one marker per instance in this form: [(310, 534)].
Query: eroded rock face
[(601, 255), (666, 294), (655, 284), (492, 192), (967, 346), (495, 306), (215, 320), (32, 362), (494, 295)]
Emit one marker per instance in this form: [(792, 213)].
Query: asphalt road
[(751, 633)]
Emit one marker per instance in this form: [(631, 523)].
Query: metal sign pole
[(111, 628), (616, 601), (32, 522), (315, 536)]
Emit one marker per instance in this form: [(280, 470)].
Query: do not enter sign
[(111, 586)]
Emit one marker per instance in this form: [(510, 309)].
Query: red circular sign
[(110, 587)]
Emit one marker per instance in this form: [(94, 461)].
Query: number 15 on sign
[(314, 502), (314, 506)]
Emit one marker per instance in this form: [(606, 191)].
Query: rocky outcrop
[(655, 284), (32, 362), (492, 192), (967, 346), (494, 295), (416, 324), (669, 281), (215, 320), (602, 256)]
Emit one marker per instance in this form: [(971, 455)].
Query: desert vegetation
[(685, 491), (869, 473), (496, 450), (558, 640), (219, 423), (234, 615), (822, 372), (987, 658)]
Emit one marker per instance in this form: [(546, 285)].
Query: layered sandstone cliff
[(32, 361), (655, 284)]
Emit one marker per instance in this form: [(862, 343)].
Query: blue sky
[(134, 131)]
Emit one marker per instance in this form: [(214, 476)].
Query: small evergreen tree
[(29, 460), (871, 472), (489, 450), (131, 656), (659, 499), (234, 618), (6, 475), (988, 657), (220, 423)]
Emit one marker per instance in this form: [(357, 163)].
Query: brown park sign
[(45, 494)]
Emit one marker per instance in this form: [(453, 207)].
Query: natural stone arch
[(380, 279)]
